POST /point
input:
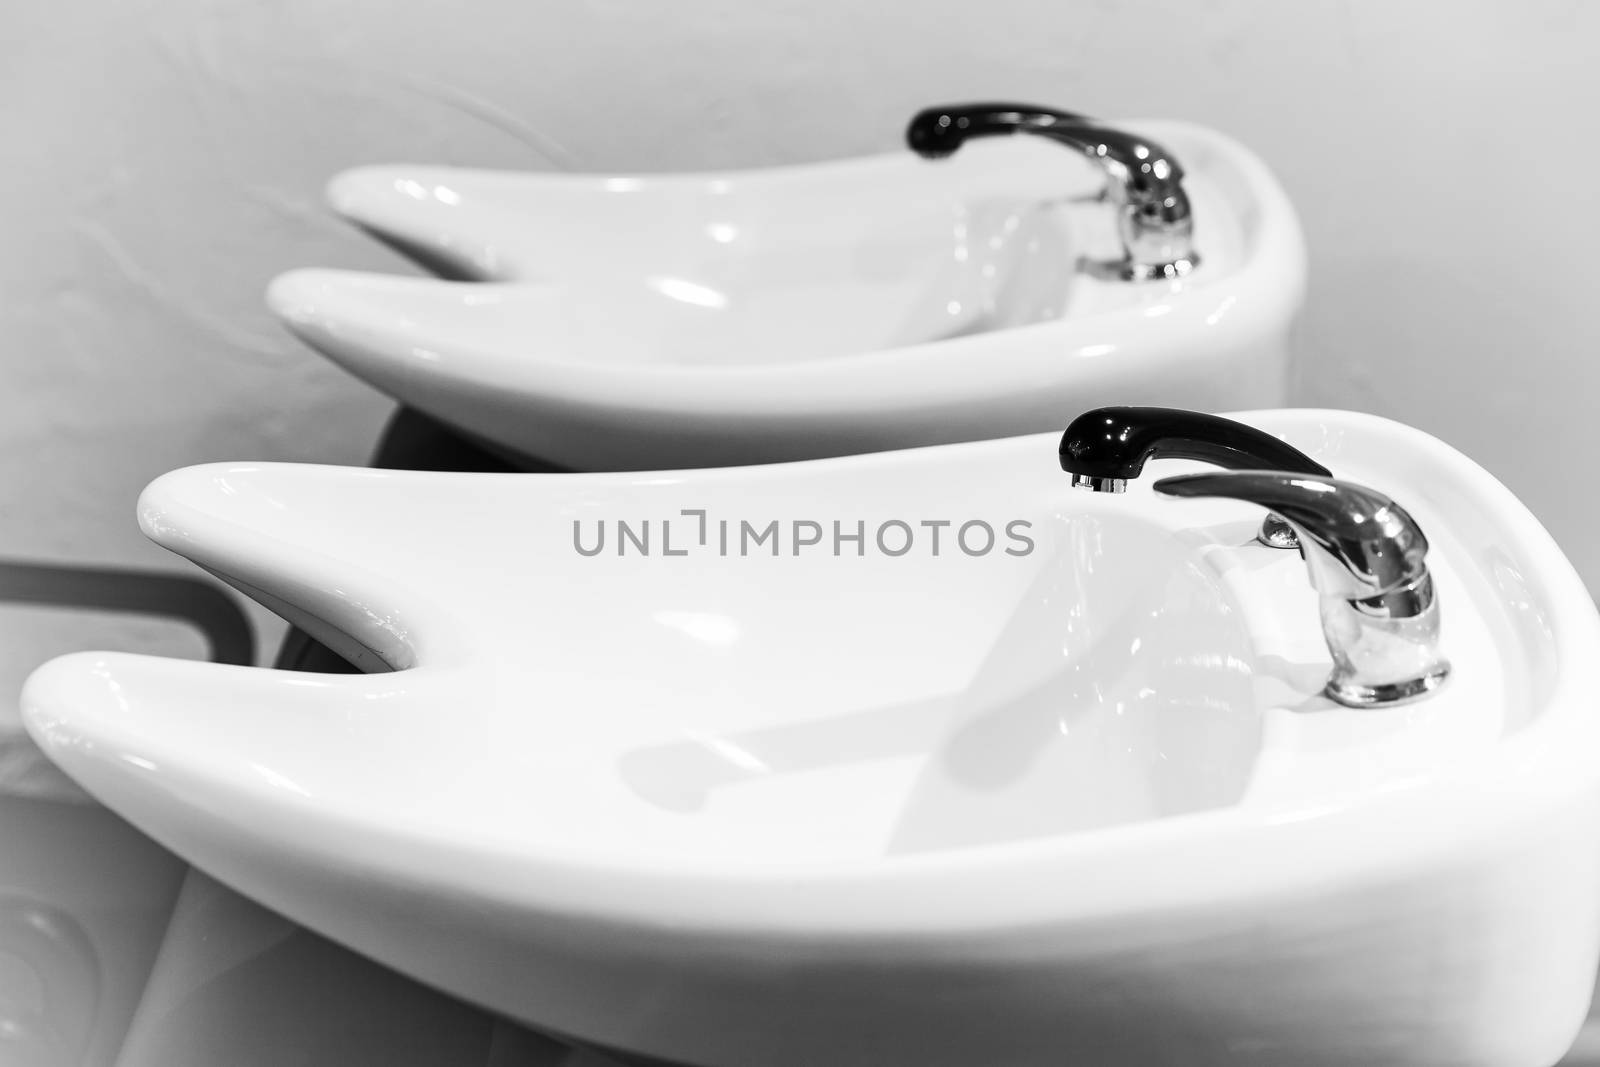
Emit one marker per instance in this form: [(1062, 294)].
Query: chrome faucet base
[(1355, 695), (1130, 271), (1385, 648)]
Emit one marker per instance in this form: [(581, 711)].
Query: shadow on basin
[(1120, 689)]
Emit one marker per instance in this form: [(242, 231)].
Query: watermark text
[(694, 531)]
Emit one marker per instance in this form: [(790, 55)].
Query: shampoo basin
[(690, 320), (660, 763)]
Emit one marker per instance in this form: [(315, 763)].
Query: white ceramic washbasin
[(1079, 804), (646, 322)]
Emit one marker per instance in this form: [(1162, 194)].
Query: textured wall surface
[(164, 158)]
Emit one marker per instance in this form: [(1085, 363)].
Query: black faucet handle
[(1143, 170), (1113, 443), (939, 131)]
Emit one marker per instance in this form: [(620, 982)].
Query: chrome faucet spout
[(1366, 558), (1144, 181)]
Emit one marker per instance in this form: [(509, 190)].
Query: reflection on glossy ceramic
[(697, 320), (84, 900), (728, 806), (238, 985), (1117, 689)]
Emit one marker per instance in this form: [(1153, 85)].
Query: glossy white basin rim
[(709, 807), (645, 322)]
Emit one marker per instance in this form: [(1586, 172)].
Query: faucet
[(1105, 447), (1367, 562), (1144, 181)]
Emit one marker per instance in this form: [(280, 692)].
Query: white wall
[(164, 158)]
